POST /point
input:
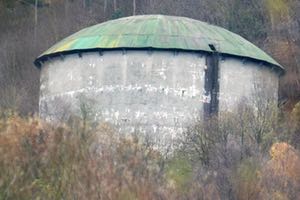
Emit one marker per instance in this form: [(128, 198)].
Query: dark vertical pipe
[(211, 84)]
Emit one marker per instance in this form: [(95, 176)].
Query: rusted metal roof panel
[(160, 32)]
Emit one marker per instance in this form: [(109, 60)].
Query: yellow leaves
[(278, 151), (281, 175), (285, 161), (296, 114), (278, 179), (278, 8), (280, 196), (14, 133)]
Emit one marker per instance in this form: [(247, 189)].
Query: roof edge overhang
[(44, 58)]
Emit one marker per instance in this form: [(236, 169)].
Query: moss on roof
[(159, 32)]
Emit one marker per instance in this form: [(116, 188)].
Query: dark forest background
[(29, 27)]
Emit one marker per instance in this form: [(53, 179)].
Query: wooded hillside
[(247, 154), (28, 27)]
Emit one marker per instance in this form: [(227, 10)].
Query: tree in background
[(283, 43), (272, 25)]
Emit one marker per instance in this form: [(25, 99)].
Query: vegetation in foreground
[(241, 156)]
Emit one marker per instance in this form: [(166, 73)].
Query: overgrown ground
[(242, 156)]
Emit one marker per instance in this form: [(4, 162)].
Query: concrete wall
[(156, 91), (246, 82), (147, 91)]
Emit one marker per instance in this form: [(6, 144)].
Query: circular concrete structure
[(155, 73)]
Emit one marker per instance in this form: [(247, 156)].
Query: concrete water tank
[(153, 72)]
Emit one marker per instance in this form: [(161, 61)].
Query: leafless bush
[(79, 161), (231, 147), (66, 162)]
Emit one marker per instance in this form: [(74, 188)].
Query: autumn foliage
[(280, 177), (39, 161), (79, 160)]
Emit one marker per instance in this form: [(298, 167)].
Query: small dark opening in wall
[(182, 93), (212, 47)]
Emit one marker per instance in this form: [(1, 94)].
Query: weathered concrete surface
[(155, 91), (246, 82), (147, 91)]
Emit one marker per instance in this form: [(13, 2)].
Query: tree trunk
[(105, 7), (134, 7), (35, 19), (115, 5)]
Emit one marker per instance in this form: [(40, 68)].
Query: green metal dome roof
[(159, 32)]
